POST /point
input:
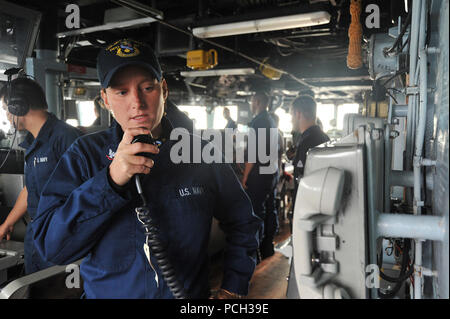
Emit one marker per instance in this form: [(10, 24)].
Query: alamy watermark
[(73, 17), (373, 19), (73, 279), (373, 278), (261, 147)]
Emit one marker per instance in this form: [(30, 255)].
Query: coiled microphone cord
[(156, 246)]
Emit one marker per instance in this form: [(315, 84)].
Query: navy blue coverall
[(259, 186), (82, 215), (41, 156)]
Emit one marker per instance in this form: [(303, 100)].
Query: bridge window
[(86, 113), (285, 124), (4, 123), (344, 109), (73, 122), (219, 121), (326, 114), (197, 113)]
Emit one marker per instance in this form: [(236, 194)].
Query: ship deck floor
[(269, 280)]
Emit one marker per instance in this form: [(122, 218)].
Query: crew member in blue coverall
[(88, 207), (46, 141)]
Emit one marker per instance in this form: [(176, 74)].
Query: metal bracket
[(427, 162), (311, 223), (394, 134), (419, 203), (412, 90), (326, 243), (332, 267), (376, 134), (433, 50)]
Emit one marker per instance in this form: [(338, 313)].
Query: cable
[(400, 36), (399, 72), (390, 248), (403, 273), (400, 278), (404, 44), (151, 231), (133, 6), (153, 243), (389, 93)]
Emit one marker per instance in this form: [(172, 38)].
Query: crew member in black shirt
[(303, 111), (258, 184), (230, 122)]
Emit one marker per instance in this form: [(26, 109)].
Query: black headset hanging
[(16, 99)]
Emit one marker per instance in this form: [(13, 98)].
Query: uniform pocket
[(185, 215), (116, 250)]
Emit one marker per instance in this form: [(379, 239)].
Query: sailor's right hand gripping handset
[(148, 139), (145, 138)]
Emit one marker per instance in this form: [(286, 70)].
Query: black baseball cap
[(122, 53)]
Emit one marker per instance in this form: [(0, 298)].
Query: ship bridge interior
[(371, 212)]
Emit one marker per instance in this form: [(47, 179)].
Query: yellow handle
[(212, 58)]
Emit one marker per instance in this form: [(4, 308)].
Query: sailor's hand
[(6, 231), (126, 163), (244, 182), (225, 294)]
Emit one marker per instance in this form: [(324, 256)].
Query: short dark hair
[(306, 105), (29, 90), (262, 98), (306, 92)]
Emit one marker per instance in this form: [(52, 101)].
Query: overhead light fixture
[(240, 71), (244, 93), (107, 26), (85, 43), (262, 25), (8, 59)]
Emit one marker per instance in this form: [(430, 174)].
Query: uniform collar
[(260, 115), (43, 136), (306, 133), (310, 130)]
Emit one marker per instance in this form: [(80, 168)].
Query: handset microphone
[(148, 139), (12, 71)]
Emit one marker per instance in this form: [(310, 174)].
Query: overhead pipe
[(402, 178), (399, 110), (406, 179), (420, 136), (410, 226), (387, 162), (415, 21)]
